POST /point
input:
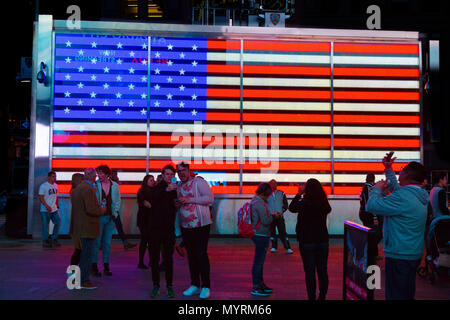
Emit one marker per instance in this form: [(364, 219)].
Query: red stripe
[(220, 68), (224, 44), (269, 117), (287, 46), (376, 95), (382, 143), (343, 118), (376, 48), (376, 72), (365, 166)]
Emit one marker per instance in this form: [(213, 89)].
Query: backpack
[(244, 224)]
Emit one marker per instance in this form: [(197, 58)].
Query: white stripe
[(179, 129), (298, 106), (223, 104), (182, 153), (260, 129), (223, 56), (375, 155), (376, 60), (269, 82), (87, 126), (355, 178), (59, 152), (286, 82), (391, 84), (378, 131), (285, 58), (270, 105), (377, 107), (285, 177)]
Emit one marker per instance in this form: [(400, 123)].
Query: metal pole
[(207, 12)]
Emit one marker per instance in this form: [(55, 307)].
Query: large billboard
[(240, 110)]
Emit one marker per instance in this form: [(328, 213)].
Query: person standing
[(108, 194), (312, 206), (438, 195), (117, 221), (48, 196), (162, 230), (277, 203), (405, 212), (262, 224), (194, 199), (77, 178), (375, 223), (144, 198), (85, 222)]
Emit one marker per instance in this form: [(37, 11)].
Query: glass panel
[(286, 113), (195, 108), (376, 109), (100, 106)]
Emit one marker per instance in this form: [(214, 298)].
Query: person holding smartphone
[(162, 229)]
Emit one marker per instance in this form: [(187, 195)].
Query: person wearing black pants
[(162, 229), (312, 206), (196, 243), (375, 223), (144, 197)]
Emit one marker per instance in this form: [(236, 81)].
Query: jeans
[(281, 226), (45, 218), (161, 244), (87, 246), (400, 279), (261, 246), (315, 258), (196, 242), (106, 231)]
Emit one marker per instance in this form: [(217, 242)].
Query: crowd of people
[(398, 211)]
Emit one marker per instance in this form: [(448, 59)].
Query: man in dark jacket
[(85, 222), (375, 223), (162, 229)]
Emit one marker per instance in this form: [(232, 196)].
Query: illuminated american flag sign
[(138, 103)]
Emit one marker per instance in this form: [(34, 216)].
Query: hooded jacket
[(405, 211)]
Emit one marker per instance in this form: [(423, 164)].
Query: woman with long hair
[(312, 206), (77, 178), (144, 209)]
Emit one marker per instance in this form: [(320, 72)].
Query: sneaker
[(155, 292), (88, 286), (170, 292), (46, 244), (273, 250), (55, 243), (260, 292), (191, 291), (289, 251), (267, 289), (205, 293)]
